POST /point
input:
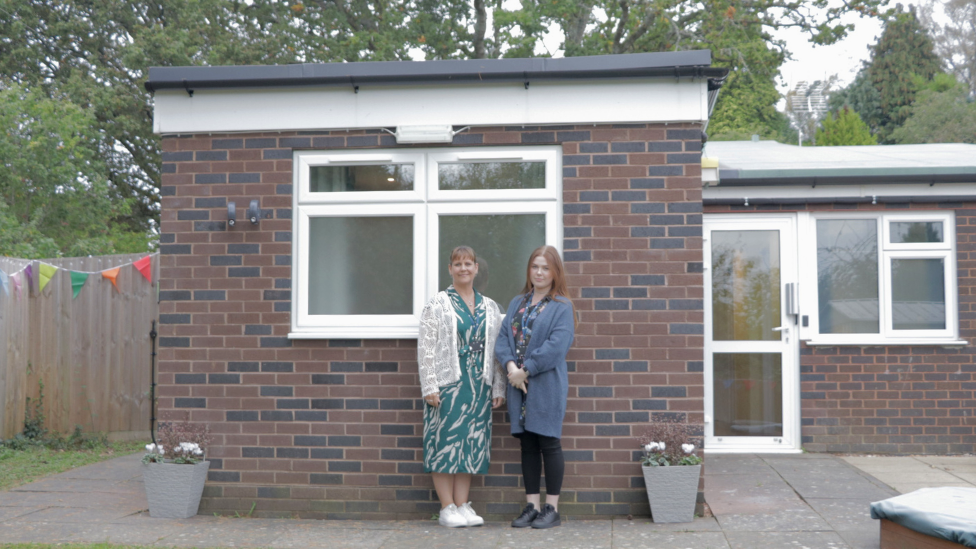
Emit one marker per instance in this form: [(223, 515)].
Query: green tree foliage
[(943, 112), (903, 54), (860, 96), (746, 107), (56, 199), (96, 55), (844, 128), (954, 34)]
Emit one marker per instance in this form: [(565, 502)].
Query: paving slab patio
[(757, 501)]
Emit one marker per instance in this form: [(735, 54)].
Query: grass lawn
[(19, 467)]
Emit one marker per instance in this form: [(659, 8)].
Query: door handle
[(785, 330)]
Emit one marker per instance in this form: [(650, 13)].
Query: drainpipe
[(152, 384)]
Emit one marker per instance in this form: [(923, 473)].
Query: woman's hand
[(433, 399), (497, 402), (519, 379)]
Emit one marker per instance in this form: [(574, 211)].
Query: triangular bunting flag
[(46, 272), (15, 278), (77, 281), (145, 267), (112, 274), (5, 282), (29, 273)]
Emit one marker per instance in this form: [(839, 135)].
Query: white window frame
[(425, 203), (887, 335), (305, 160)]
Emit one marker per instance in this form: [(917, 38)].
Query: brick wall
[(332, 428), (893, 399)]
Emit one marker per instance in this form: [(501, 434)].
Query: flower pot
[(174, 490), (672, 492)]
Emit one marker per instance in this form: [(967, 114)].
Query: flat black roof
[(695, 63)]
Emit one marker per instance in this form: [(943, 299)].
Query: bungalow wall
[(332, 428)]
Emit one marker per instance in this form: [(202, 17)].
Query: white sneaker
[(468, 513), (452, 518)]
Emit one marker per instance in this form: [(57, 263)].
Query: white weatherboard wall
[(571, 102)]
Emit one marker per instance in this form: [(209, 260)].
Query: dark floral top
[(525, 316)]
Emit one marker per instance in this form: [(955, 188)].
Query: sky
[(811, 62)]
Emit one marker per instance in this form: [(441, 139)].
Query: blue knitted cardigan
[(545, 361)]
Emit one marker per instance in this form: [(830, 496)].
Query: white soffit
[(289, 109), (828, 193)]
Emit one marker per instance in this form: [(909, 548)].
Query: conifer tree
[(844, 128), (903, 54)]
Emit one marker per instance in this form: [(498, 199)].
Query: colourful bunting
[(29, 273), (145, 267), (112, 274), (15, 278), (77, 281), (46, 272)]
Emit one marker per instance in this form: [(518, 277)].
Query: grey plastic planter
[(672, 492), (174, 490)]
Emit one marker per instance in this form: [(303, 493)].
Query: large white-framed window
[(878, 278), (373, 231)]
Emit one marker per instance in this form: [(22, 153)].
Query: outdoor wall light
[(254, 212), (425, 134)]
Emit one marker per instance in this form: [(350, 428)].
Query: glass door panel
[(745, 285), (748, 394)]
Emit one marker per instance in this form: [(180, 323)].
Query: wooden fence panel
[(91, 352)]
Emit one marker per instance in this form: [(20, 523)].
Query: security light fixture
[(254, 212), (425, 134)]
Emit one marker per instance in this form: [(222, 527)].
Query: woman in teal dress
[(461, 382)]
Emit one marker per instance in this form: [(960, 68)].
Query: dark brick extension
[(332, 428)]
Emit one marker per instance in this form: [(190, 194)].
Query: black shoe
[(525, 519), (548, 518)]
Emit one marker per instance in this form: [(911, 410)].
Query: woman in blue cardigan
[(532, 344)]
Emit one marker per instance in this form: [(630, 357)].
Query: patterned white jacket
[(437, 353)]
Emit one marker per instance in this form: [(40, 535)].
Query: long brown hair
[(558, 288)]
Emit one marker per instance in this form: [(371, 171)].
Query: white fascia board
[(825, 192), (290, 109)]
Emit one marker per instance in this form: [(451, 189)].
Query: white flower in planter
[(688, 448)]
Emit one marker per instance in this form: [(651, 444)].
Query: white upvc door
[(752, 381)]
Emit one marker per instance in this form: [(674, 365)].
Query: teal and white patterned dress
[(457, 434)]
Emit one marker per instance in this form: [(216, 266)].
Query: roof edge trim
[(640, 65)]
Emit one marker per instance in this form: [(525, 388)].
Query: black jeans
[(535, 449)]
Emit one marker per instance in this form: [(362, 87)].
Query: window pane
[(911, 231), (847, 276), (342, 179), (745, 285), (491, 175), (748, 391), (360, 265), (502, 243), (918, 294)]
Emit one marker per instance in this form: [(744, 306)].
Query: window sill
[(887, 342), (357, 333)]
